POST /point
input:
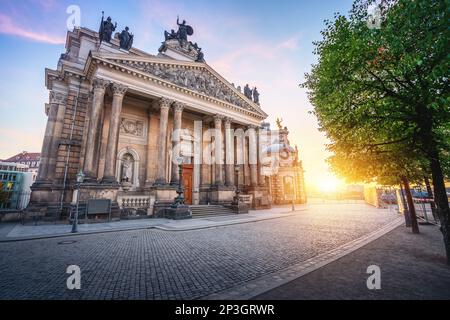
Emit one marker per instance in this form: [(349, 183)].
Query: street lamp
[(80, 179), (179, 200)]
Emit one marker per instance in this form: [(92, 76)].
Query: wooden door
[(188, 171)]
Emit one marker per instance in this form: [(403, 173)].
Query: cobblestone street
[(156, 264)]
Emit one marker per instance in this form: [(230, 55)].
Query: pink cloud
[(7, 26)]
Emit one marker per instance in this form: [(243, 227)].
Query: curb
[(271, 281), (18, 239)]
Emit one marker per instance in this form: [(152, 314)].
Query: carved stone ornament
[(57, 98), (100, 84), (132, 127), (119, 89), (198, 80)]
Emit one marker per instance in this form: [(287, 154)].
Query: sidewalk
[(412, 267), (18, 232)]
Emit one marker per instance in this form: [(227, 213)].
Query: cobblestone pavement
[(156, 264), (412, 267)]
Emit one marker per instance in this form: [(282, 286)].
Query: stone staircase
[(206, 211)]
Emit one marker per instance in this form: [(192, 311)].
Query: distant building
[(31, 159), (15, 182)]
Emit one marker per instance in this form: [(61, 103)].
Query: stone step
[(210, 211)]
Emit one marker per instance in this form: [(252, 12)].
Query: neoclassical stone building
[(124, 116)]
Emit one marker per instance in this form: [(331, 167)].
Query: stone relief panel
[(133, 129), (198, 80)]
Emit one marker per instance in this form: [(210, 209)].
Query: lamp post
[(179, 200), (80, 179)]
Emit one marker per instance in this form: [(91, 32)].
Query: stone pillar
[(218, 137), (162, 138), (176, 140), (253, 156), (229, 154), (56, 99), (150, 152), (262, 139), (97, 105), (240, 159), (61, 101), (113, 134)]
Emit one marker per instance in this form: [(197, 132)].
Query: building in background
[(31, 159), (15, 183)]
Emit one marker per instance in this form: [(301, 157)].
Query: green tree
[(381, 94)]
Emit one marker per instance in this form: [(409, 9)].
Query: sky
[(265, 43)]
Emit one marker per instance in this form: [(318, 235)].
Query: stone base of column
[(261, 197), (110, 180), (179, 212), (240, 208), (90, 177), (222, 195)]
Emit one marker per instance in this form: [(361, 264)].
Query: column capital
[(57, 98), (251, 127), (228, 121), (178, 106), (165, 103), (100, 84), (119, 89), (218, 118)]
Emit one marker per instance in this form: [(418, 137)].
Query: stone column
[(97, 105), (162, 138), (240, 159), (113, 134), (218, 137), (61, 101), (176, 140), (54, 102), (253, 156), (262, 137), (229, 154), (150, 152)]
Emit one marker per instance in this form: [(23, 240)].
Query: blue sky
[(267, 44)]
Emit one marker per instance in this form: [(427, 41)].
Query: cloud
[(9, 27)]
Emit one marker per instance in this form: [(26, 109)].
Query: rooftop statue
[(126, 39), (279, 123), (255, 96), (170, 36), (106, 29), (248, 92), (184, 31)]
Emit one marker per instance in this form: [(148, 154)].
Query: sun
[(328, 184)]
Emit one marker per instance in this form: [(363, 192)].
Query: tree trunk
[(405, 207), (431, 196), (412, 209), (441, 200)]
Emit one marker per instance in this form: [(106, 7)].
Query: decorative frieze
[(196, 79), (132, 127)]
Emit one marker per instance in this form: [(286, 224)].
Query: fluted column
[(162, 138), (61, 101), (253, 155), (176, 139), (218, 137), (229, 154), (240, 158), (262, 140), (46, 144), (97, 105), (119, 91), (150, 152)]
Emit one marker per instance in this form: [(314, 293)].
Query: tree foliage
[(381, 95)]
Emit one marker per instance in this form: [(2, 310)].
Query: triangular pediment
[(193, 76)]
